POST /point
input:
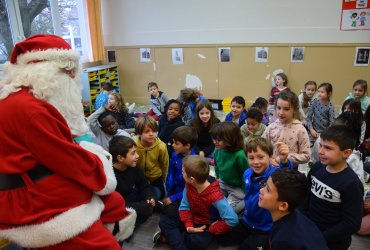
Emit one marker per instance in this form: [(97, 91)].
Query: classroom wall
[(201, 27)]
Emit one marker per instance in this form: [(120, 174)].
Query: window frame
[(17, 33)]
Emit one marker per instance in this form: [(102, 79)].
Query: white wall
[(166, 22)]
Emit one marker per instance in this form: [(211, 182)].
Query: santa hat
[(42, 47)]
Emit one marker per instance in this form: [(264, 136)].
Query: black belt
[(12, 181)]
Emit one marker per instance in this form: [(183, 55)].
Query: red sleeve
[(186, 218), (219, 227), (49, 140)]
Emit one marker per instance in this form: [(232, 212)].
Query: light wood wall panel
[(242, 75)]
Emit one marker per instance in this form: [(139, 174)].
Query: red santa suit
[(67, 206)]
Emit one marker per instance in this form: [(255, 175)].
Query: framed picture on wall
[(177, 56), (111, 54), (362, 56), (224, 54), (145, 55), (262, 54), (296, 54)]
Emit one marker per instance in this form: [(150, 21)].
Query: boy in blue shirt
[(238, 114), (254, 228), (103, 98), (285, 190), (335, 202), (184, 139)]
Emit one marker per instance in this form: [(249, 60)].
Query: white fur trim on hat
[(126, 225), (106, 159), (62, 227), (48, 55)]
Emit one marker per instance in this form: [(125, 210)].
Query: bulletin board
[(355, 15)]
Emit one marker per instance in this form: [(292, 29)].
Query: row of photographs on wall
[(297, 54)]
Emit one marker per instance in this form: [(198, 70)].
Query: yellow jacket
[(153, 160)]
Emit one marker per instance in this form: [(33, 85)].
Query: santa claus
[(54, 193)]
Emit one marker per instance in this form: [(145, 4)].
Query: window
[(23, 18)]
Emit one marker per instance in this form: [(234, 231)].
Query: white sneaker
[(131, 108)]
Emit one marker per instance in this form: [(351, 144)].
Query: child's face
[(112, 100), (259, 161), (358, 91), (284, 111), (268, 198), (252, 125), (279, 81), (331, 155), (153, 91), (180, 148), (173, 111), (346, 108), (236, 109), (322, 94), (205, 115), (148, 136), (219, 144), (131, 158), (263, 110), (110, 125), (310, 90)]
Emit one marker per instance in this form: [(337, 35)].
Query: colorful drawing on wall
[(262, 54), (296, 54), (177, 56), (355, 15), (145, 55), (224, 54), (362, 56)]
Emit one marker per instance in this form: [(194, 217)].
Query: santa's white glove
[(106, 159)]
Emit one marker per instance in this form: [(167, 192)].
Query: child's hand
[(314, 133), (283, 150), (151, 202), (166, 201), (275, 162), (196, 229), (201, 153), (111, 107)]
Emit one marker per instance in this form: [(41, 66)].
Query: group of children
[(257, 199)]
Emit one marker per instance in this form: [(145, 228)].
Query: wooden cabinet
[(93, 79)]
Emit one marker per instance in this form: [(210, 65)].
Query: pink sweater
[(294, 135)]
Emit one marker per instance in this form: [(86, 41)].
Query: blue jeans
[(177, 236)]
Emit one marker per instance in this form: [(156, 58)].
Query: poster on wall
[(355, 15), (362, 56), (145, 55), (177, 56), (224, 54), (262, 54), (296, 54), (111, 54)]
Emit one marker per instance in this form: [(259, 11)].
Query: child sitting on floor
[(203, 211), (131, 182), (285, 190), (238, 113), (104, 126), (153, 156), (254, 228)]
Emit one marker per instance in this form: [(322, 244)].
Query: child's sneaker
[(159, 238), (156, 237)]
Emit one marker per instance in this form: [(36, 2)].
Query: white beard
[(48, 82), (67, 100)]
